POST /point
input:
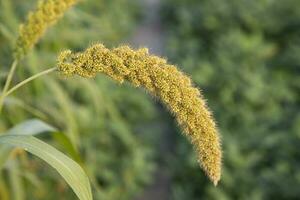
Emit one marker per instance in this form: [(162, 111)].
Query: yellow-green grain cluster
[(46, 14), (163, 81)]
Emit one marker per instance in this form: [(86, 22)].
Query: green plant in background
[(245, 55), (116, 161)]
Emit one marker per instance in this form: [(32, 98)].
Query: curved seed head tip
[(162, 80), (46, 14), (215, 183)]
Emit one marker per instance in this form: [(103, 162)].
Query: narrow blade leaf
[(66, 167), (31, 127), (28, 127)]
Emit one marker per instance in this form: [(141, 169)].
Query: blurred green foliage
[(98, 129), (245, 55)]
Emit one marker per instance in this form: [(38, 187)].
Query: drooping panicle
[(162, 80), (46, 14)]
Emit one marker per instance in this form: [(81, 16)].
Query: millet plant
[(161, 80)]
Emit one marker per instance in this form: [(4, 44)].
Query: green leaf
[(31, 127), (67, 146), (28, 127), (66, 167)]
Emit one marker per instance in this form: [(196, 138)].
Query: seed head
[(46, 14), (162, 80)]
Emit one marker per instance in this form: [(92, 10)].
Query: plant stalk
[(28, 80), (7, 82)]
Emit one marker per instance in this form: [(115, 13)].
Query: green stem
[(28, 80), (7, 82)]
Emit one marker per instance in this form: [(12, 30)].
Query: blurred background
[(244, 55)]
